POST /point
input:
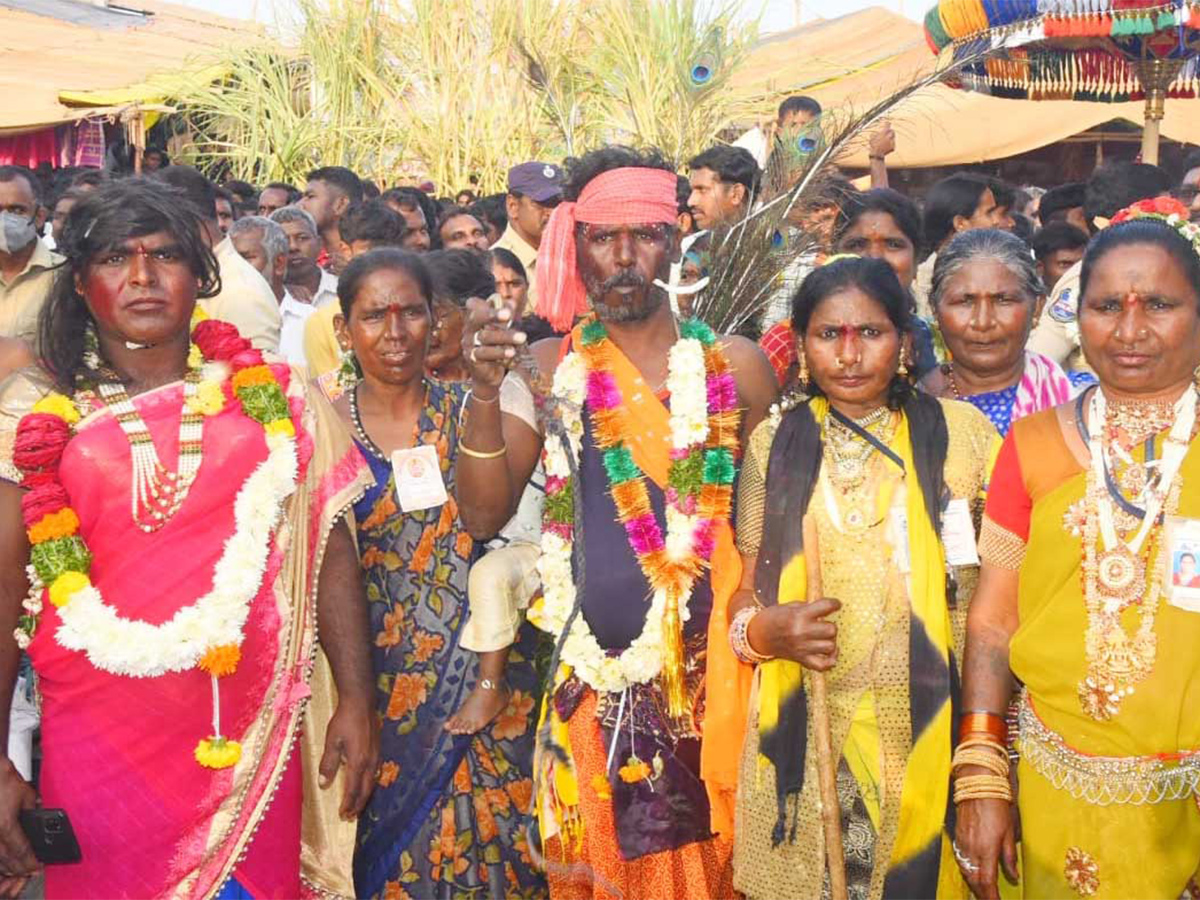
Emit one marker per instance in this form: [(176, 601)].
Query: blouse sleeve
[(1005, 530), (752, 489)]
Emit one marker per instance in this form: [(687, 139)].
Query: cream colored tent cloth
[(53, 71), (856, 60)]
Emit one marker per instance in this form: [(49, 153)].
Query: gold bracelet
[(478, 454), (982, 787), (989, 758)]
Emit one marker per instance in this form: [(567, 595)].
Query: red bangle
[(983, 723)]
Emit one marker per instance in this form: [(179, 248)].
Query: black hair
[(1054, 237), (509, 260), (1183, 556), (732, 165), (1117, 185), (583, 169), (492, 211), (683, 191), (293, 193), (453, 212), (459, 275), (161, 153), (101, 220), (241, 189), (12, 173), (194, 187), (374, 221), (797, 104), (877, 280), (903, 211), (370, 190), (341, 178), (86, 178), (471, 196), (1191, 161), (415, 198), (361, 267), (1141, 231), (957, 195), (220, 193), (1058, 201)]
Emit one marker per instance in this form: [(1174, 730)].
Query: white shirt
[(246, 301), (326, 290), (756, 142), (291, 335)]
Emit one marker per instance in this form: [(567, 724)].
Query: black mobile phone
[(51, 835)]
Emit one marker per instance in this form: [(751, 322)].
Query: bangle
[(480, 454), (739, 636), (488, 400), (875, 158), (983, 722), (982, 787), (985, 755)]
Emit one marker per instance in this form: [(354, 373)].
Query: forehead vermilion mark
[(1131, 300)]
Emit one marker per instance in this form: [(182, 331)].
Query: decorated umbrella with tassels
[(1107, 51)]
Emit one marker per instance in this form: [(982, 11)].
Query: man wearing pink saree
[(179, 500)]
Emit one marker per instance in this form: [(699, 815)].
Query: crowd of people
[(361, 543)]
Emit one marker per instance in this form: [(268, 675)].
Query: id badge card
[(899, 529), (958, 534), (1182, 576), (418, 475)]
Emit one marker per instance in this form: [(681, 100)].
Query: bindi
[(1131, 300)]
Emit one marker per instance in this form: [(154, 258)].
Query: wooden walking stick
[(831, 818)]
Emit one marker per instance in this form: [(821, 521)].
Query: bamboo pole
[(831, 819)]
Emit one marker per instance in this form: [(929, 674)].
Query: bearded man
[(640, 454)]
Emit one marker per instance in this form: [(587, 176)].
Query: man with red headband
[(646, 419)]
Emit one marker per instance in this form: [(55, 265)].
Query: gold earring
[(902, 371), (803, 376)]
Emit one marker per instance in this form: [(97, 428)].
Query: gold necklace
[(849, 454), (1131, 422), (156, 493)]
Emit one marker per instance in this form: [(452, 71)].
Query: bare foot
[(480, 707)]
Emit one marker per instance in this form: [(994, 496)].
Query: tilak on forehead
[(627, 196)]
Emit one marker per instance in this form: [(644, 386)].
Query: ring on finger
[(963, 860), (474, 350), (478, 341)]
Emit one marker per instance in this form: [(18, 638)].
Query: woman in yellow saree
[(1092, 510), (882, 471)]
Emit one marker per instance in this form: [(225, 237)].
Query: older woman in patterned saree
[(177, 498), (986, 297), (1092, 506), (883, 472), (449, 811)]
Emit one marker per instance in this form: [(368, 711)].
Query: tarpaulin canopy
[(62, 60), (854, 61)]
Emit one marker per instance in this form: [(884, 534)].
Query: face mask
[(16, 232)]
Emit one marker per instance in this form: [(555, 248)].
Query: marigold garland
[(704, 422), (59, 558)]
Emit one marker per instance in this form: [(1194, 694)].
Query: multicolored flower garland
[(208, 633), (704, 425)]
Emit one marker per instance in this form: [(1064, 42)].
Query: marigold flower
[(62, 523), (208, 400), (218, 753), (281, 426), (601, 786), (221, 660), (634, 770), (251, 376), (56, 404), (66, 585)]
